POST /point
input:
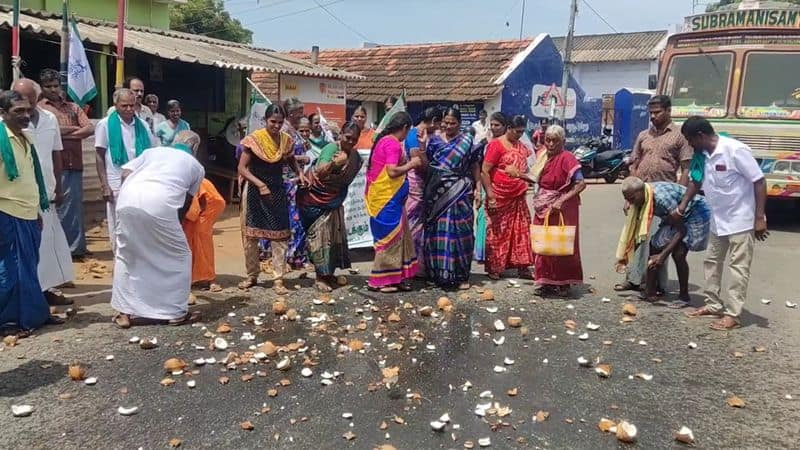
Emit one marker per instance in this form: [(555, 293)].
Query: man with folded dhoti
[(153, 262), (119, 138), (22, 195), (55, 261)]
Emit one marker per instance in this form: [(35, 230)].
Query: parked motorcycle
[(599, 160)]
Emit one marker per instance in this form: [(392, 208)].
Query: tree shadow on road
[(30, 376)]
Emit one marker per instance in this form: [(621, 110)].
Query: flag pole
[(64, 43), (120, 74), (253, 85), (15, 60)]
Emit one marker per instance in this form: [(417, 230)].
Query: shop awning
[(177, 46)]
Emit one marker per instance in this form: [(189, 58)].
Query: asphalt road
[(439, 355)]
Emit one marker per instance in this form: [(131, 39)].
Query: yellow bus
[(740, 68)]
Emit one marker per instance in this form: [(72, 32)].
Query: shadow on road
[(30, 376)]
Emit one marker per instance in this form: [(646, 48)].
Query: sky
[(299, 24)]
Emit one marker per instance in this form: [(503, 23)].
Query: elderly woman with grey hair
[(560, 181), (674, 239)]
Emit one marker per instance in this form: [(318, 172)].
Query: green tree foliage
[(209, 18), (722, 3)]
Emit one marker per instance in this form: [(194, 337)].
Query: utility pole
[(522, 20), (64, 43), (568, 58), (16, 62), (120, 73)]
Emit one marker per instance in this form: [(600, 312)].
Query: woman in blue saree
[(449, 194), (168, 129)]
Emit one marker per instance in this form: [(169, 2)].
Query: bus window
[(771, 87), (698, 84)]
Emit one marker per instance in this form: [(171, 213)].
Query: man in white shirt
[(55, 261), (142, 111), (736, 193), (153, 263), (119, 138), (480, 126)]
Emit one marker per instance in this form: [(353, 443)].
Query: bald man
[(153, 263), (55, 260)]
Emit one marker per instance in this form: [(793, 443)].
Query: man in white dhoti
[(153, 263), (55, 260), (119, 138)]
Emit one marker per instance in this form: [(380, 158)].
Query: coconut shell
[(76, 372), (629, 309), (174, 364), (514, 321), (279, 308), (626, 432)]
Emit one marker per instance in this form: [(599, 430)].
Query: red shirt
[(69, 115)]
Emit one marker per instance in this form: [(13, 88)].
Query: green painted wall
[(149, 13)]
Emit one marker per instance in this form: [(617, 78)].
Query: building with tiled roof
[(468, 71)]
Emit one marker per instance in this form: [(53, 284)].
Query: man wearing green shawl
[(119, 138), (22, 194)]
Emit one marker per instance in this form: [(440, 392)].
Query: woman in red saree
[(560, 181), (508, 242)]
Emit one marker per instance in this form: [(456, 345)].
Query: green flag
[(258, 106), (399, 105)]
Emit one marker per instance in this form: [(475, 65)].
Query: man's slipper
[(701, 312), (627, 286)]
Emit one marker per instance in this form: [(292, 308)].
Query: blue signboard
[(533, 90), (630, 116)]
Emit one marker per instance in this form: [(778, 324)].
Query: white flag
[(258, 107), (80, 82)]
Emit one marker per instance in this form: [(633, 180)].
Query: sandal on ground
[(726, 323), (248, 283), (705, 311), (190, 317), (542, 291), (645, 297), (464, 286), (493, 276), (384, 289), (279, 288), (214, 287), (406, 287), (56, 298), (54, 320), (323, 286), (677, 304), (562, 291), (121, 321), (627, 286), (525, 274)]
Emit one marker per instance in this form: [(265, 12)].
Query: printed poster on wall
[(326, 94), (355, 209)]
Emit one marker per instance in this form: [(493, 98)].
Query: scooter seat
[(608, 156)]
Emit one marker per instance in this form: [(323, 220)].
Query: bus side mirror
[(652, 82)]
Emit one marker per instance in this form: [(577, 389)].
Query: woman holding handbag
[(560, 181)]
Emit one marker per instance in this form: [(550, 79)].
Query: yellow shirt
[(19, 198)]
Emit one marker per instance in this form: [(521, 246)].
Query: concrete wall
[(148, 13), (607, 78)]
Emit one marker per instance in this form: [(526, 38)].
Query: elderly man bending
[(659, 199), (153, 263)]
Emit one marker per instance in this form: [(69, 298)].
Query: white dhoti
[(111, 221), (55, 260), (153, 265)]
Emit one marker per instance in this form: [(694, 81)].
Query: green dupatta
[(116, 145), (12, 171)]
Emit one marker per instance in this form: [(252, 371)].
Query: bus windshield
[(698, 84), (771, 87)]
